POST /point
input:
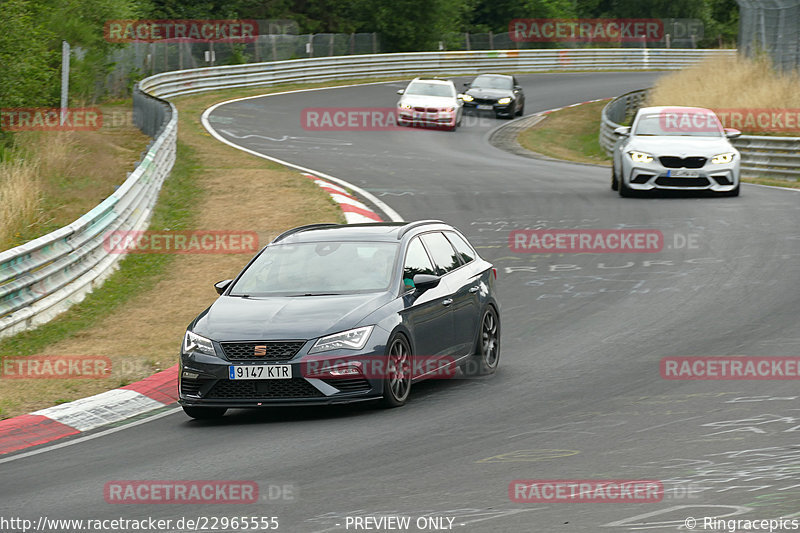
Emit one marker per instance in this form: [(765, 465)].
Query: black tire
[(204, 413), (487, 349), (732, 192), (397, 385), (614, 180), (521, 110), (624, 190)]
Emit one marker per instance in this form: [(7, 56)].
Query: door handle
[(476, 288), (447, 302)]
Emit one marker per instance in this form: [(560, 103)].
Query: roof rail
[(411, 225), (302, 228)]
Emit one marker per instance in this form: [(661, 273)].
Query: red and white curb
[(154, 392), (53, 423), (355, 211)]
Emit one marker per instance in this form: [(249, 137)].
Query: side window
[(462, 247), (442, 253), (417, 261)]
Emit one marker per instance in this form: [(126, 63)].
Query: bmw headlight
[(467, 98), (721, 159), (192, 342), (640, 157), (504, 101), (354, 339), (404, 106)]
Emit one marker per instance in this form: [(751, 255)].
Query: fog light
[(190, 375)]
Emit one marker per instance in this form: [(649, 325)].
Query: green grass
[(137, 272), (569, 134)]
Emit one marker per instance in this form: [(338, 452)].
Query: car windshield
[(690, 124), (491, 82), (421, 88), (319, 268)]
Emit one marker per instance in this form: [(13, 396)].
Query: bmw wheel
[(397, 384), (614, 180), (487, 354)]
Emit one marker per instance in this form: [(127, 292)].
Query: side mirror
[(623, 131), (517, 88), (732, 133), (220, 286), (423, 282), (400, 91), (467, 84)]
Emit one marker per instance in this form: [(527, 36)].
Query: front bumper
[(655, 176), (425, 118), (493, 107), (204, 382)]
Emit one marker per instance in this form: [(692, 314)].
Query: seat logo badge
[(260, 351)]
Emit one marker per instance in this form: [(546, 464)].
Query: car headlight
[(192, 342), (640, 157), (353, 339), (504, 101), (721, 159), (404, 106), (467, 98)]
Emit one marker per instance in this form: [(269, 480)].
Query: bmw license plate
[(486, 107), (682, 173), (260, 372)]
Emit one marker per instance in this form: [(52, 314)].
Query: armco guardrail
[(45, 276), (762, 156), (445, 63)]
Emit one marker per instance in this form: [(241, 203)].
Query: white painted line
[(388, 211)]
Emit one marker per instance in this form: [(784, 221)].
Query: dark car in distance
[(499, 93), (319, 309)]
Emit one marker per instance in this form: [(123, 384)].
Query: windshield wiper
[(316, 294)]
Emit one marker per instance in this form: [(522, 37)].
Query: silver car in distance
[(678, 149)]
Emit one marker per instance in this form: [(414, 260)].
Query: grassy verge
[(48, 179), (569, 134), (137, 317)]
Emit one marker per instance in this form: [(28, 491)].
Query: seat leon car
[(429, 102), (498, 93), (331, 313), (678, 149)]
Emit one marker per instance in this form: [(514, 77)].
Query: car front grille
[(666, 181), (191, 387), (349, 385), (484, 101), (271, 350), (427, 109), (232, 389), (671, 161)]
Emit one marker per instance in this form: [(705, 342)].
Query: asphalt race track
[(578, 394)]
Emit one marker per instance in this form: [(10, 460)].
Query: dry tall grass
[(729, 82), (35, 159)]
